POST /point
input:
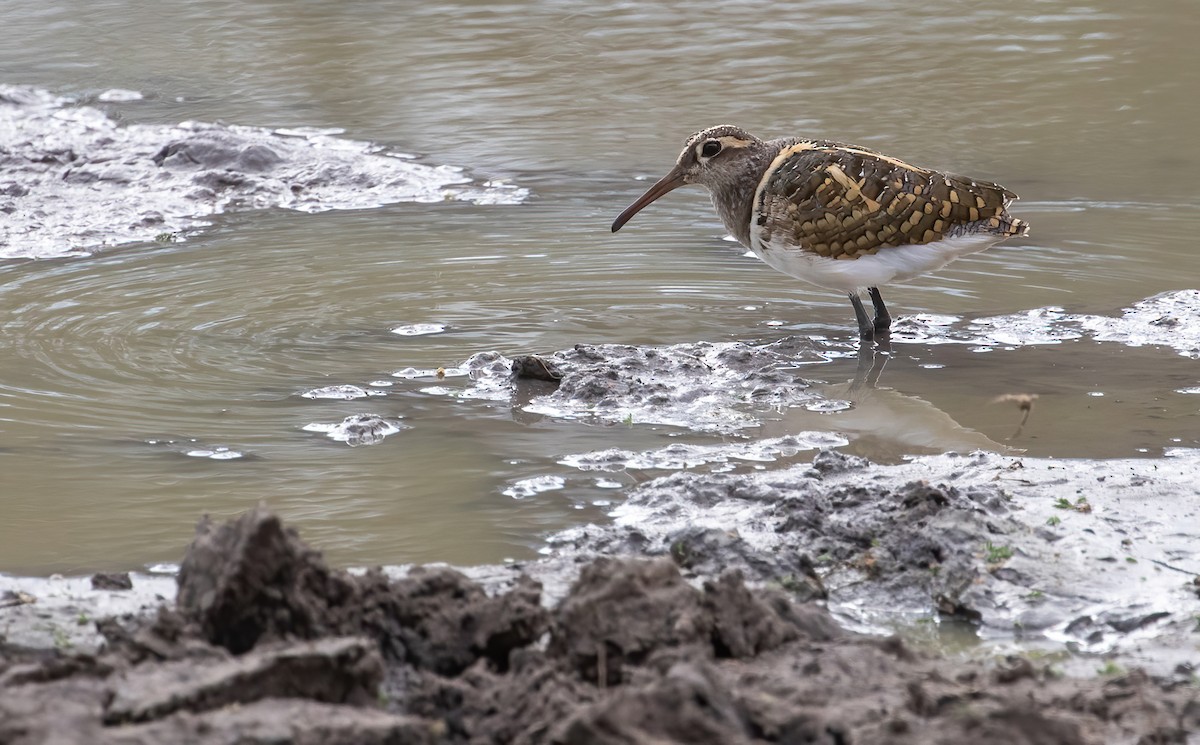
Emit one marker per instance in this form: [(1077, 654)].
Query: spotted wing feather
[(845, 202)]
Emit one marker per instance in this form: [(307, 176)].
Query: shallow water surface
[(146, 383)]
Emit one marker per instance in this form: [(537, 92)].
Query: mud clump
[(267, 643), (622, 615), (252, 580)]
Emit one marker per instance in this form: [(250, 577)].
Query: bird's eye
[(710, 148)]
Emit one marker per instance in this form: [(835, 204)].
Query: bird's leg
[(865, 328), (883, 319)]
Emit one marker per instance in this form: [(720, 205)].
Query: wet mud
[(1093, 557), (267, 643)]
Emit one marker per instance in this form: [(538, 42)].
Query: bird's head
[(715, 158)]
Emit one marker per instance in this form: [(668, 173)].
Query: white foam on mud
[(719, 388), (412, 373), (1170, 319), (358, 429), (73, 179), (830, 406), (681, 456), (525, 488), (119, 95), (726, 388), (61, 611), (217, 452), (193, 448), (419, 329), (342, 392)]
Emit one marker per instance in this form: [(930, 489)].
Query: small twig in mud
[(10, 599), (1024, 402), (602, 665), (1165, 565)]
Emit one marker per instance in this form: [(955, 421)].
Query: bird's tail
[(1012, 226)]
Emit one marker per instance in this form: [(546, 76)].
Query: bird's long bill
[(672, 180)]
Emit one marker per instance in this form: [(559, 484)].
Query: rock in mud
[(112, 581), (533, 367)]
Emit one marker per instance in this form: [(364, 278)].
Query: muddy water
[(142, 384)]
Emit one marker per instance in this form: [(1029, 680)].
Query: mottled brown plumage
[(838, 215), (845, 202)]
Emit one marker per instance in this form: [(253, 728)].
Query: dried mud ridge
[(267, 643)]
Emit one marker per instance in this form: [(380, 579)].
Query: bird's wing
[(844, 202)]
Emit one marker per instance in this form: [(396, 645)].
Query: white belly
[(891, 264)]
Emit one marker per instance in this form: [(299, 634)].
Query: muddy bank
[(1094, 557), (266, 643), (76, 179)]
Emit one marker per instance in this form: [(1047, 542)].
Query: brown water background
[(1089, 111)]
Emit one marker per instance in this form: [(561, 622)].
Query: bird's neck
[(733, 197)]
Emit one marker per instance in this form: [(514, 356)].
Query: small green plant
[(1079, 505), (629, 419), (680, 552), (83, 619), (997, 554), (166, 238), (1035, 595), (1053, 520), (61, 640), (1130, 560), (793, 584), (1110, 668)]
